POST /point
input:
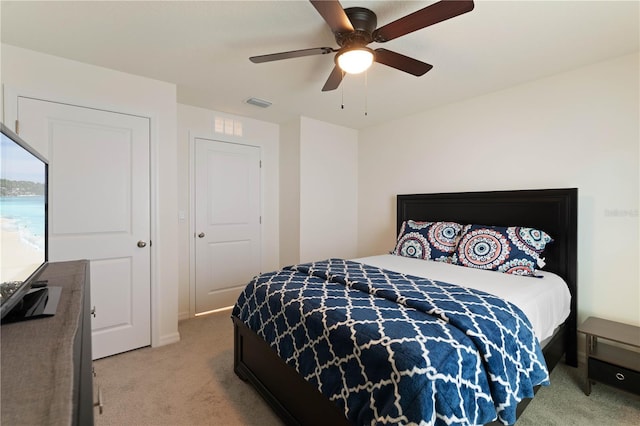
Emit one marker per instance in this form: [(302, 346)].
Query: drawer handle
[(620, 376)]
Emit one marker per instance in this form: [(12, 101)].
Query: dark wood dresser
[(46, 362)]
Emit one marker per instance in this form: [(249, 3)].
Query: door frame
[(192, 206), (10, 114)]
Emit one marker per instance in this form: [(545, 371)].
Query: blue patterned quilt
[(389, 348)]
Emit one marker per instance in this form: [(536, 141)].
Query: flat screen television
[(23, 225)]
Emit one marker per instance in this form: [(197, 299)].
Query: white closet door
[(227, 221), (99, 210)]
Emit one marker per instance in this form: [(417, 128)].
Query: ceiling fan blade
[(430, 15), (291, 54), (401, 62), (334, 80), (333, 13)]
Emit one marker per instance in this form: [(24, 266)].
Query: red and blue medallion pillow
[(511, 250), (428, 240)]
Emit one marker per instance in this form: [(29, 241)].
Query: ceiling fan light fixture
[(355, 60)]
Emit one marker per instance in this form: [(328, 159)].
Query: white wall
[(576, 129), (328, 190), (318, 190), (48, 77), (199, 122), (290, 193)]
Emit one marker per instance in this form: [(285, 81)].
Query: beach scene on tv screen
[(22, 212)]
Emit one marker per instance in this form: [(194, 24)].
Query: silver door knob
[(201, 235), (142, 244)]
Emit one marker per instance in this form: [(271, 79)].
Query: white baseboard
[(168, 339)]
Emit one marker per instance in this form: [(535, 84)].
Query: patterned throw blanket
[(389, 348)]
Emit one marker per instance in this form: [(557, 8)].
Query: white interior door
[(99, 210), (227, 221)]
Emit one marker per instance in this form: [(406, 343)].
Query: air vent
[(258, 102)]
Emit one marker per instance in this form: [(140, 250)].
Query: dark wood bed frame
[(552, 210)]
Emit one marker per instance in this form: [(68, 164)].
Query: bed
[(551, 210)]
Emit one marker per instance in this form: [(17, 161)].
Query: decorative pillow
[(512, 250), (428, 240)]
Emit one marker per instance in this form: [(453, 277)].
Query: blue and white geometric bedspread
[(389, 348)]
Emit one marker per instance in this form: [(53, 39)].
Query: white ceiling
[(203, 47)]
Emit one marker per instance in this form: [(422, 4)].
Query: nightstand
[(618, 365)]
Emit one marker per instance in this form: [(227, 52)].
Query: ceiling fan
[(355, 27)]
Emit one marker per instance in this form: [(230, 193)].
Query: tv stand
[(47, 364)]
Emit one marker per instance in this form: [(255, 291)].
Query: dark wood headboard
[(554, 211)]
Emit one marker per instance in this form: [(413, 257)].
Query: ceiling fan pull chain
[(342, 93), (366, 92)]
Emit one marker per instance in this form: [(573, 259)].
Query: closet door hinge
[(17, 127)]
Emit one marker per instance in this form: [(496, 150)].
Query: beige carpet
[(192, 383)]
